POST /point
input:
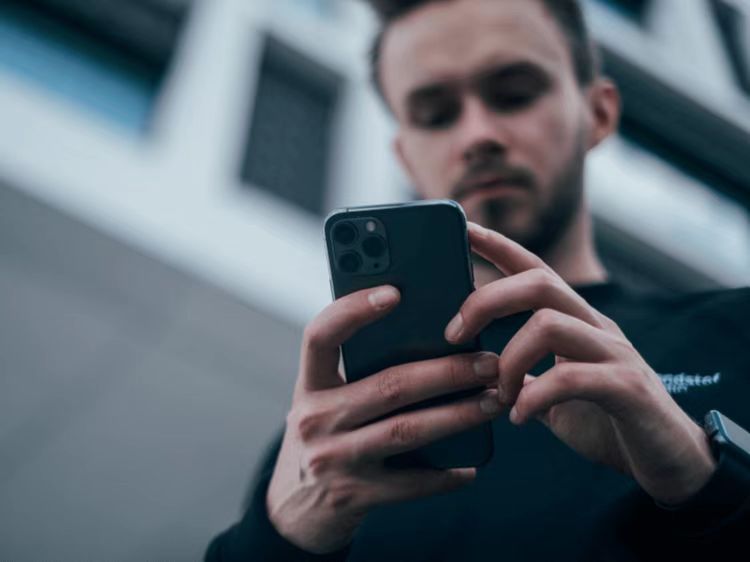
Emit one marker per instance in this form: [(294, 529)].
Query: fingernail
[(514, 416), (383, 297), (466, 474), (489, 404), (454, 328), (485, 366)]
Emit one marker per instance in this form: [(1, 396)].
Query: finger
[(529, 290), (549, 331), (571, 381), (332, 327), (399, 386), (508, 256), (392, 486), (411, 430), (542, 416)]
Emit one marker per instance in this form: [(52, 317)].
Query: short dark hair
[(567, 13)]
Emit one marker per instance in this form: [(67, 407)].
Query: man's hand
[(330, 470), (600, 398)]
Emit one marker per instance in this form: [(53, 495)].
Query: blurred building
[(164, 169)]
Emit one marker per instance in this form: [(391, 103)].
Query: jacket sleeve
[(713, 525), (721, 508), (254, 537)]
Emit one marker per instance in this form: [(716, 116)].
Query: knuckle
[(341, 494), (623, 345), (318, 461), (403, 432), (636, 380), (606, 322), (610, 325), (390, 386), (569, 376), (309, 421), (543, 280), (474, 303), (312, 336), (546, 320)]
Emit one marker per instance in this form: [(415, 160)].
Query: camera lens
[(350, 262), (345, 233), (373, 246)]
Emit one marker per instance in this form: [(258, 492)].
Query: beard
[(532, 220)]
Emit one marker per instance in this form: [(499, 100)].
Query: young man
[(498, 102)]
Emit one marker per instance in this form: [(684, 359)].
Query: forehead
[(451, 39)]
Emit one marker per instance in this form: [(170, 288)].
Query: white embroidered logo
[(682, 382)]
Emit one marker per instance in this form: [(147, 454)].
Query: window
[(108, 56), (291, 127), (732, 18)]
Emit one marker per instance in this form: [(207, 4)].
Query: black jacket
[(537, 499)]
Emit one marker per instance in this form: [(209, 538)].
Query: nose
[(479, 136)]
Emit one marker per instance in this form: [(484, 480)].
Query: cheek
[(545, 138), (428, 163)]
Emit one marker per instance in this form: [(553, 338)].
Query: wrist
[(697, 473), (726, 495)]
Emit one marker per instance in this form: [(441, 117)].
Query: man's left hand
[(601, 398)]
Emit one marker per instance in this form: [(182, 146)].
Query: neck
[(573, 257)]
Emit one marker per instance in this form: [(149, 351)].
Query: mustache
[(478, 175)]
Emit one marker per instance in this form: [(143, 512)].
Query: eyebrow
[(434, 89)]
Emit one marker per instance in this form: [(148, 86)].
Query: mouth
[(492, 187)]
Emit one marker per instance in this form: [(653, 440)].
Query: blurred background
[(164, 169)]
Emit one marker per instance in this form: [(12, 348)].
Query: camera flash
[(370, 226)]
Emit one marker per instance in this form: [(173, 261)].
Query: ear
[(604, 108)]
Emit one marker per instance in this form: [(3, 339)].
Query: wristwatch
[(725, 498), (728, 437), (726, 495), (727, 492), (731, 447)]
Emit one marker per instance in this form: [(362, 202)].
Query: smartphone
[(422, 249)]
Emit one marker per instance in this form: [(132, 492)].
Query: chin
[(503, 215)]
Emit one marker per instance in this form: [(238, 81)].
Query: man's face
[(490, 113)]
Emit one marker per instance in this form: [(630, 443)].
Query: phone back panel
[(429, 262)]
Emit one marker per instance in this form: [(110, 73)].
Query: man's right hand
[(330, 468)]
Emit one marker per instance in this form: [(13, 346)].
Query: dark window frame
[(136, 39), (147, 30), (635, 10), (732, 23)]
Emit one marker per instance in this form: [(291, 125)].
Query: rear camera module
[(345, 233), (373, 246), (350, 262)]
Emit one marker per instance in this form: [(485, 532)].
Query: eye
[(508, 93), (509, 101), (434, 112)]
